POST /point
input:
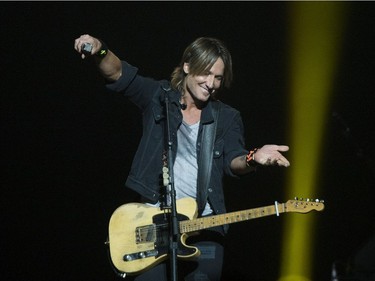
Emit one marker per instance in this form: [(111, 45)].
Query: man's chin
[(205, 96)]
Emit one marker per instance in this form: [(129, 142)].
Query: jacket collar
[(207, 114)]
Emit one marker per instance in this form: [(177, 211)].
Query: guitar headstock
[(304, 205)]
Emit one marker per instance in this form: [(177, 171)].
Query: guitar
[(139, 235)]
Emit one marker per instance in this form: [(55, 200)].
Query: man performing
[(193, 111)]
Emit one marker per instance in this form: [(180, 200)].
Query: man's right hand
[(87, 39)]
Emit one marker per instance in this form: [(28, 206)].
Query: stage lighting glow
[(315, 40)]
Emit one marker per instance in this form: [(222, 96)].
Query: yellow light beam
[(315, 32)]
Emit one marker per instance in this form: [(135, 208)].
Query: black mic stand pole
[(173, 224)]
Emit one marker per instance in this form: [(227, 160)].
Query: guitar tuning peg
[(295, 198), (317, 200), (307, 199)]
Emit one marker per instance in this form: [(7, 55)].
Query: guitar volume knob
[(142, 255), (127, 258)]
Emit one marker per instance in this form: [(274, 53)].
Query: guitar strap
[(206, 157)]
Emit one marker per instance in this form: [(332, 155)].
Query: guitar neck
[(228, 218)]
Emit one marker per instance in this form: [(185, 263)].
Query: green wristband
[(103, 50)]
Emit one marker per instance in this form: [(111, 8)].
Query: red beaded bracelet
[(250, 158)]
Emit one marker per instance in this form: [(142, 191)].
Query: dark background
[(67, 144)]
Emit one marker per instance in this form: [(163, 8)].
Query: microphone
[(86, 48), (164, 97)]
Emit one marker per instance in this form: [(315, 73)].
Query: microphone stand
[(173, 222)]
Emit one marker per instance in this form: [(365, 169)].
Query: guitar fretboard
[(228, 218)]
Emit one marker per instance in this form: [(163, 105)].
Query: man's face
[(201, 86)]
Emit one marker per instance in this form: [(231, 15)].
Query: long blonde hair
[(201, 55)]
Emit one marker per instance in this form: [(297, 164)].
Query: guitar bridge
[(145, 234)]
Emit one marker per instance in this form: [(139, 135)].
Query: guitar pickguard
[(157, 233)]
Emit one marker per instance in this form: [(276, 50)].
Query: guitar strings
[(212, 221)]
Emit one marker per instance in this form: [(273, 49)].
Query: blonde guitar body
[(139, 234)]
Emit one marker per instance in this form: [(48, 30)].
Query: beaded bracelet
[(250, 158)]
